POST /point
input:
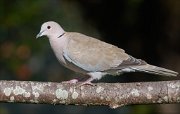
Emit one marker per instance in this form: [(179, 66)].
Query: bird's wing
[(92, 54)]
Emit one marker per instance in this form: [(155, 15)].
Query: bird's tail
[(154, 70)]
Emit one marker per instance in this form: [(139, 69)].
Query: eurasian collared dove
[(90, 56)]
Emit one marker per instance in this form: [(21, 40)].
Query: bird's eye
[(48, 27)]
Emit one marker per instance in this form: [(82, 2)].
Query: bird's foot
[(81, 83), (87, 82), (73, 81)]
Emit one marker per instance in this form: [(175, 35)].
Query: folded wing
[(92, 54)]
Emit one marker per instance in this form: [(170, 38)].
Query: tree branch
[(111, 94)]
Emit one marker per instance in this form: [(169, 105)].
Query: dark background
[(146, 29)]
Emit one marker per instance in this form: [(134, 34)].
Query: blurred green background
[(146, 29)]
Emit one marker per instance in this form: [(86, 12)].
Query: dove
[(92, 57)]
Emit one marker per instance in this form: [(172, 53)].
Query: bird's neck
[(58, 45)]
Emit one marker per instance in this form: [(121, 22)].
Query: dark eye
[(48, 27)]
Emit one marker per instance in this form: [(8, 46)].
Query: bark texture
[(111, 94)]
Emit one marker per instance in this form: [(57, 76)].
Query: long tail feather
[(155, 70)]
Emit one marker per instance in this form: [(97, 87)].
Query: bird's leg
[(93, 76), (87, 82), (72, 81), (75, 81)]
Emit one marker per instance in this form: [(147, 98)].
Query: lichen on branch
[(111, 94)]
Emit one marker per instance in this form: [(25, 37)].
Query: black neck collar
[(61, 35)]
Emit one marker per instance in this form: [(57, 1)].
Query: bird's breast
[(58, 45)]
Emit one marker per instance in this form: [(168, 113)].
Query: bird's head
[(50, 29)]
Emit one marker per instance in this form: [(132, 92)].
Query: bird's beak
[(39, 34)]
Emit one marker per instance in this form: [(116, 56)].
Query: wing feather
[(92, 54)]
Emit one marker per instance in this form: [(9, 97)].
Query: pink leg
[(87, 82), (73, 81)]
